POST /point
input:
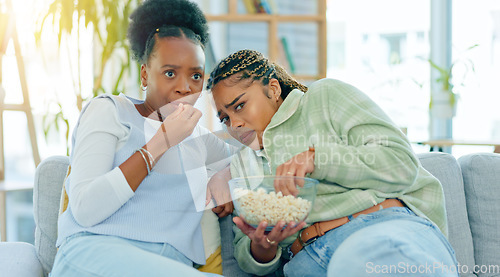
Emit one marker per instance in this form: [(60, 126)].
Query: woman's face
[(174, 73), (247, 110)]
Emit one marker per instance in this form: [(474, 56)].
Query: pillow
[(481, 174), (445, 167), (63, 202), (49, 177), (211, 241), (213, 263)]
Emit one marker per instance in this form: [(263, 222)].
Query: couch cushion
[(230, 266), (49, 178), (19, 259), (445, 167), (481, 174)]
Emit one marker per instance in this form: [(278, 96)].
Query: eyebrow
[(170, 65), (177, 66), (232, 103)]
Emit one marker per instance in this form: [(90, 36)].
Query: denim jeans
[(389, 242), (86, 254)]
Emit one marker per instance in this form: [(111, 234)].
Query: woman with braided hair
[(138, 182), (377, 211)]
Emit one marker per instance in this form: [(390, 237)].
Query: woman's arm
[(218, 189), (356, 146), (96, 189), (247, 262), (219, 153), (371, 151), (175, 128)]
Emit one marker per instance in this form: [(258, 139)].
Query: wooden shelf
[(273, 40), (265, 17)]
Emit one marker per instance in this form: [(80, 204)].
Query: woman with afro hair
[(138, 181)]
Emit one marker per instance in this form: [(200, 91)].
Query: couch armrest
[(445, 167), (481, 174), (19, 259)]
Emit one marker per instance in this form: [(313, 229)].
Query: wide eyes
[(171, 74), (237, 108), (197, 76)]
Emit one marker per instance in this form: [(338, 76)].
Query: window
[(382, 49), (379, 48), (477, 23)]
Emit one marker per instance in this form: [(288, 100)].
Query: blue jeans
[(389, 242), (86, 254)]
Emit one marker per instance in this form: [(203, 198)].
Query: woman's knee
[(393, 247)]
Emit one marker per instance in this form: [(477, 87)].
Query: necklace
[(159, 116)]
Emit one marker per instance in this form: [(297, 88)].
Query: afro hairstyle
[(168, 18)]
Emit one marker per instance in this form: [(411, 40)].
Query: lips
[(245, 137), (188, 99), (176, 103)]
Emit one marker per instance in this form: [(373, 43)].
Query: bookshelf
[(266, 32)]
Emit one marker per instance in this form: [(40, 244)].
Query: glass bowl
[(255, 199)]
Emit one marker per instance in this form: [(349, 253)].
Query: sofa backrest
[(445, 167), (49, 178), (481, 175)]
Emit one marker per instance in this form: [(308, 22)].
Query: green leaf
[(444, 75)]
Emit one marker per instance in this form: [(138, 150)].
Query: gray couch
[(471, 186)]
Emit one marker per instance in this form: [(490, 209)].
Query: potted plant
[(448, 81), (109, 21)]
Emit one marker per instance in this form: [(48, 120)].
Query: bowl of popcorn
[(255, 199)]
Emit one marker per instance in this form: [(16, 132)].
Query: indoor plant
[(449, 80), (108, 21)]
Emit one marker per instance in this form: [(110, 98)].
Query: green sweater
[(361, 158)]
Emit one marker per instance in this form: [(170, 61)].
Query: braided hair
[(155, 19), (252, 65)]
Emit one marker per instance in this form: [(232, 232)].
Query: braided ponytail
[(250, 64), (287, 82)]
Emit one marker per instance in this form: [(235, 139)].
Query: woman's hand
[(218, 189), (179, 124), (265, 244), (299, 165)]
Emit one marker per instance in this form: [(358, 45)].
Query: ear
[(144, 75), (274, 88)]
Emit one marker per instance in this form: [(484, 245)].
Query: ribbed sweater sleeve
[(96, 189)]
